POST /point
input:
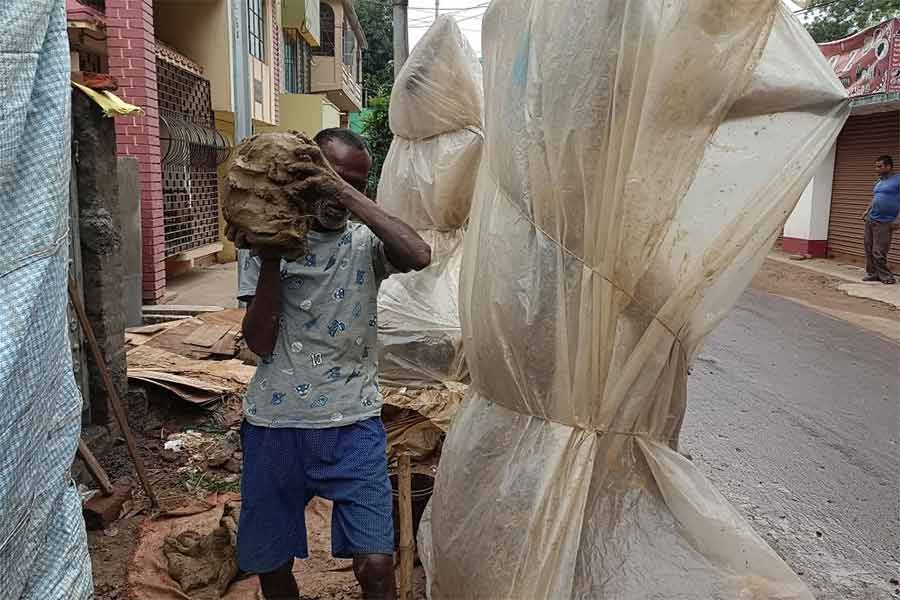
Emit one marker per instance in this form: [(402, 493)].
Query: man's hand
[(317, 179)]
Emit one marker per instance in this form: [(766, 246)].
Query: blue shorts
[(284, 468)]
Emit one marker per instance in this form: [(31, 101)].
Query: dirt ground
[(179, 479), (821, 293)]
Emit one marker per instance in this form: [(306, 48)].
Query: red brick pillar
[(132, 61)]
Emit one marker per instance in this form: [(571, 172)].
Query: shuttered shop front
[(863, 139)]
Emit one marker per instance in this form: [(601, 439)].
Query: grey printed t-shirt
[(323, 371)]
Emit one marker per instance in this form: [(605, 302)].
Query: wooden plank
[(173, 339), (136, 339), (181, 309), (230, 316), (155, 328), (183, 380), (227, 346), (207, 335)]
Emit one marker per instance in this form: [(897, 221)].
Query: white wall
[(809, 221)]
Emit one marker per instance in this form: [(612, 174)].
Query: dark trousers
[(878, 244)]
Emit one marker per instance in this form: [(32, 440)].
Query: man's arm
[(260, 324), (406, 250)]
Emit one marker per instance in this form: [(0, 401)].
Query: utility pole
[(437, 9), (401, 35), (240, 71), (240, 80)]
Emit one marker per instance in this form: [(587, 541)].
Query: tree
[(376, 19), (377, 131), (832, 20)]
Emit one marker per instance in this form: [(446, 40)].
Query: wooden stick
[(94, 468), (118, 411), (407, 554)]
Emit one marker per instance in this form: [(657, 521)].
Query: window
[(296, 64), (349, 45), (291, 64), (326, 23), (257, 28)]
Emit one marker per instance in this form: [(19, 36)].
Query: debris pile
[(192, 358), (271, 191), (204, 450)]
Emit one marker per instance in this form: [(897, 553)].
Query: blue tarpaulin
[(43, 547)]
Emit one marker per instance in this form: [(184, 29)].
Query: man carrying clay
[(312, 423)]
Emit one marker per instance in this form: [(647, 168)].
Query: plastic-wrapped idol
[(428, 180), (639, 160)]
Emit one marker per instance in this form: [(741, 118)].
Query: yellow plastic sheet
[(112, 105), (639, 160)]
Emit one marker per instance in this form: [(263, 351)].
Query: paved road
[(796, 417)]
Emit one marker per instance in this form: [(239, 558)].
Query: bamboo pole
[(407, 551), (118, 411), (97, 473)]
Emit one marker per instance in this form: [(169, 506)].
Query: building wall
[(132, 61), (806, 230), (201, 32), (267, 72), (331, 116), (327, 73), (330, 75), (309, 113)]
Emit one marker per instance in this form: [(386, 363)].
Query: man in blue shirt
[(881, 217)]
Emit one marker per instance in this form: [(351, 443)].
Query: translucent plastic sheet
[(639, 159), (428, 180), (439, 88), (420, 340)]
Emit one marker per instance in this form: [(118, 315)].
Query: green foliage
[(376, 18), (377, 131), (836, 20)]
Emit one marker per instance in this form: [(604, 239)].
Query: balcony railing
[(351, 87)]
